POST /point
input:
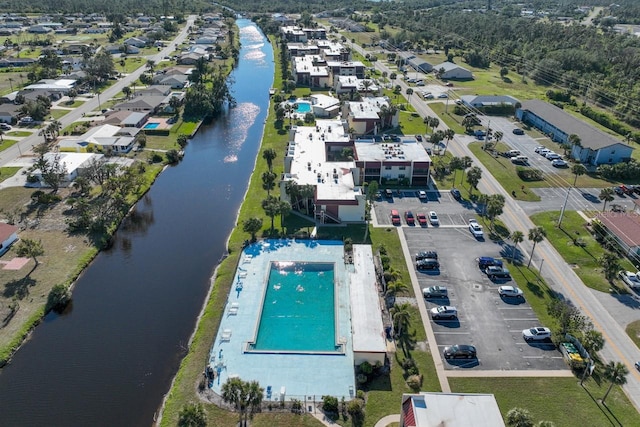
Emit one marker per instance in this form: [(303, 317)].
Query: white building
[(382, 161), (324, 106), (73, 164), (367, 116), (450, 409), (450, 71)]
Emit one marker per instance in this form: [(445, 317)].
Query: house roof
[(448, 66), (489, 99), (452, 410), (144, 101), (590, 137), (625, 226), (6, 230)]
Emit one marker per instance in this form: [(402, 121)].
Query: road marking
[(452, 333), (534, 319)]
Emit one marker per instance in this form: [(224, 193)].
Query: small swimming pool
[(302, 107), (298, 309), (151, 125)]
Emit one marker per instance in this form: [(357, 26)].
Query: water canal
[(110, 358)]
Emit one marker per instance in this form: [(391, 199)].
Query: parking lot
[(492, 324), (451, 212)]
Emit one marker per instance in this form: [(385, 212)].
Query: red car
[(395, 217), (408, 216), (422, 219)]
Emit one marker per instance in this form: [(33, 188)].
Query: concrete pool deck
[(301, 376)]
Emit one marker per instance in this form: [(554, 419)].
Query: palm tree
[(448, 135), (126, 91), (401, 315), (434, 122), (516, 237), (269, 154), (427, 122), (268, 181), (151, 65), (254, 397), (251, 226), (394, 288), (575, 141), (192, 415), (498, 136), (283, 210), (536, 235), (577, 170), (473, 177), (606, 195), (616, 372), (610, 265), (234, 392), (593, 341), (409, 93), (271, 206), (519, 417)]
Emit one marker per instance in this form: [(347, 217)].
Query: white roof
[(345, 64), (368, 108), (71, 161), (448, 66), (408, 149), (323, 101), (333, 180), (60, 84), (455, 410), (304, 64), (367, 327)]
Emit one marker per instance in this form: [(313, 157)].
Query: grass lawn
[(488, 82), (388, 238), (8, 172), (19, 133), (451, 120), (560, 400), (585, 259), (57, 113), (633, 330), (6, 143), (74, 104), (411, 123)]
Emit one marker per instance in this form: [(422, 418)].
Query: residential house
[(74, 164), (146, 103), (9, 113), (367, 117), (348, 84), (450, 71), (125, 118), (324, 106), (189, 58), (114, 49), (8, 235), (450, 409), (155, 89), (596, 147), (136, 41), (624, 228), (310, 71), (175, 81), (16, 62), (33, 95), (101, 138), (39, 29)]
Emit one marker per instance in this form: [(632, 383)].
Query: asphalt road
[(27, 143)]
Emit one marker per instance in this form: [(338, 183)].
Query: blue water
[(298, 311), (151, 125), (303, 107)]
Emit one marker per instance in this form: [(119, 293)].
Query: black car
[(456, 194), (426, 254), (388, 193), (427, 264), (460, 351), (518, 131), (495, 272), (487, 261)]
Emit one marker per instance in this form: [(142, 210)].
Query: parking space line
[(452, 333), (531, 319)]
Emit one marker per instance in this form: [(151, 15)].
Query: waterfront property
[(299, 316)]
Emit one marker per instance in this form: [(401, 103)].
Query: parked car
[(544, 151), (518, 131), (539, 148), (419, 138), (433, 218), (536, 334), (460, 351), (443, 95), (395, 217), (5, 126), (487, 261), (456, 194), (422, 194), (630, 278), (511, 292), (422, 219), (619, 190), (559, 163), (496, 272), (552, 156), (637, 365), (427, 264), (388, 193), (435, 292), (444, 312), (475, 229), (426, 255), (408, 216)]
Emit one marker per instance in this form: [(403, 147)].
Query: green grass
[(388, 238), (411, 123), (74, 104), (57, 113), (6, 143), (8, 172), (560, 400), (633, 330), (451, 120), (585, 259), (488, 82), (19, 133)]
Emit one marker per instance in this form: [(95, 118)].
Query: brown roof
[(626, 226), (6, 230)]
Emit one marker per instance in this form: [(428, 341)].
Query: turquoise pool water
[(151, 125), (303, 107), (298, 312)]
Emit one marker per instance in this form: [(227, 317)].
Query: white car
[(475, 229), (536, 334), (539, 147), (444, 312), (559, 163), (422, 194), (433, 218), (630, 278), (510, 291), (553, 156), (543, 152)]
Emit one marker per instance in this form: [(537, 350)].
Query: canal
[(109, 359)]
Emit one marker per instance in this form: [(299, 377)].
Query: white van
[(520, 159), (513, 153)]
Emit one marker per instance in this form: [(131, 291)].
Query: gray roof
[(489, 99), (590, 137), (448, 66)]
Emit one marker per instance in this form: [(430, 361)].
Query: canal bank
[(109, 358)]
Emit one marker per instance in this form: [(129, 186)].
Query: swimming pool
[(302, 107), (151, 125), (298, 309)]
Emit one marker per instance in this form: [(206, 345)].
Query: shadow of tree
[(18, 288), (605, 411)]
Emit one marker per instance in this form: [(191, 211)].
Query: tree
[(182, 140), (448, 135), (593, 341), (610, 264), (606, 195), (456, 164), (372, 191), (401, 315), (30, 248), (268, 181), (503, 72), (409, 93), (519, 417), (254, 397), (234, 391), (516, 237), (473, 177), (355, 408), (536, 235), (126, 91), (51, 170), (269, 154), (616, 373), (192, 415), (469, 121), (575, 141), (495, 206), (252, 226), (396, 287), (577, 170), (569, 318), (284, 208), (271, 206)]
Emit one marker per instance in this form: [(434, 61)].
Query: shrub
[(58, 298), (414, 382), (366, 368), (527, 174), (330, 404)]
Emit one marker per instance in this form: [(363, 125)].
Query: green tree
[(268, 181), (284, 208), (536, 235), (448, 135), (58, 297), (473, 177), (52, 171), (516, 237), (503, 72), (610, 264), (355, 408), (469, 122), (456, 164), (577, 170), (519, 417), (616, 373), (182, 140), (269, 155), (234, 391), (192, 415), (495, 206), (593, 341), (394, 288), (606, 195), (30, 248), (252, 226), (127, 92), (401, 315), (409, 92), (271, 206), (255, 394)]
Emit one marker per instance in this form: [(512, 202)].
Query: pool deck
[(300, 376)]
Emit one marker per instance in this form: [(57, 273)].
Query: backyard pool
[(151, 125), (300, 106)]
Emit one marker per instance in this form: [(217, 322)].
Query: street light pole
[(564, 206)]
